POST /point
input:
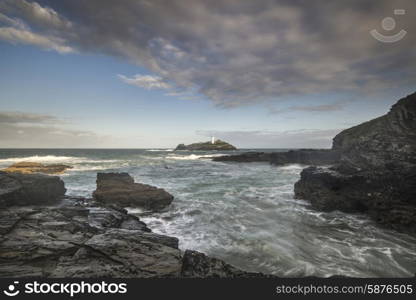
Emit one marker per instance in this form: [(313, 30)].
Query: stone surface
[(376, 173), (198, 265), (93, 242), (32, 167), (69, 242), (207, 146), (301, 156), (120, 189), (29, 189)]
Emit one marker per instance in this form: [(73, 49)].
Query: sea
[(242, 213)]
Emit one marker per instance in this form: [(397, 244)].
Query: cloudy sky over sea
[(152, 73)]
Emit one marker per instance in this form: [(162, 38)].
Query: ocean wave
[(45, 158), (292, 167), (159, 150), (192, 156)]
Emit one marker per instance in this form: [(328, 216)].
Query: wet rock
[(122, 253), (36, 241), (33, 167), (198, 265), (120, 189), (29, 189)]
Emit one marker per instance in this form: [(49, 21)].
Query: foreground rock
[(301, 156), (94, 242), (376, 173), (198, 265), (32, 167), (120, 189), (29, 189), (207, 146)]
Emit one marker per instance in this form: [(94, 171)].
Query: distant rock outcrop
[(120, 189), (301, 156), (29, 189), (207, 146), (376, 173), (33, 167)]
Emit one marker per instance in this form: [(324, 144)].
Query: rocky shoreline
[(301, 156), (44, 233), (370, 169), (376, 173)]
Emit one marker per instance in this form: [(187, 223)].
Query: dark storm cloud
[(234, 52)]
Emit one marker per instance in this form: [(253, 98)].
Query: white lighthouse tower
[(213, 140)]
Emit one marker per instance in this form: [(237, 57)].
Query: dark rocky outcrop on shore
[(207, 146), (29, 189), (33, 167), (84, 238), (197, 265), (301, 156), (376, 173), (120, 189)]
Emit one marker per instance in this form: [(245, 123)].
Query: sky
[(153, 74)]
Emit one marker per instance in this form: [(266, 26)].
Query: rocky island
[(207, 146)]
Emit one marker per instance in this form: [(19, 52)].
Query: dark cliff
[(376, 173)]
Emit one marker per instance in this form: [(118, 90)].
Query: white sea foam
[(159, 150), (192, 156), (45, 158)]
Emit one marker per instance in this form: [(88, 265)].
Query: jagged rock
[(92, 242), (29, 189), (387, 142), (301, 156), (198, 265), (376, 173), (36, 241), (207, 146), (120, 189), (123, 253), (33, 167)]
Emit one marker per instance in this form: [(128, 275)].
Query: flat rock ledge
[(33, 167), (120, 189)]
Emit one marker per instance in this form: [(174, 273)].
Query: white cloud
[(21, 36), (146, 81)]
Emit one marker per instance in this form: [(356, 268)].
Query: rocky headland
[(301, 156), (33, 167), (376, 172), (44, 233), (207, 146)]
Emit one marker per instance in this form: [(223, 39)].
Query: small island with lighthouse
[(214, 144)]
